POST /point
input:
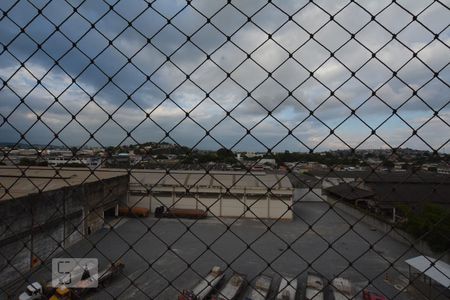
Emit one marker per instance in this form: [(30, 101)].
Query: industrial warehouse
[(43, 211), (221, 194), (75, 205), (384, 193)]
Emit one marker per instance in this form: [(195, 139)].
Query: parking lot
[(163, 256)]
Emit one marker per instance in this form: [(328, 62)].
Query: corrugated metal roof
[(439, 272), (216, 179), (388, 177), (23, 181), (349, 192)]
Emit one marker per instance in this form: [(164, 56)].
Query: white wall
[(161, 201), (139, 201), (232, 207), (279, 209), (224, 207)]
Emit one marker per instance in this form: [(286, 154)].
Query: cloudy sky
[(251, 75)]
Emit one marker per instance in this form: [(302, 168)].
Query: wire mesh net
[(225, 149)]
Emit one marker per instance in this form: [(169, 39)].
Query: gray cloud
[(208, 76)]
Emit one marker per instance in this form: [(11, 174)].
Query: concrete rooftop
[(215, 179), (22, 181), (17, 182)]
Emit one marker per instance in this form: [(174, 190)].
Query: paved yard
[(152, 270)]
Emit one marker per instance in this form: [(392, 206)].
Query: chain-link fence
[(225, 149)]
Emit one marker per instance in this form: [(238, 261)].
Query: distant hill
[(27, 146)]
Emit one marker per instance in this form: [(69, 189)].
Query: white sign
[(75, 272)]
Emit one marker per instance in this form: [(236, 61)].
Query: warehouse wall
[(38, 226), (220, 205), (214, 205), (140, 200), (99, 197), (162, 200), (16, 257)]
